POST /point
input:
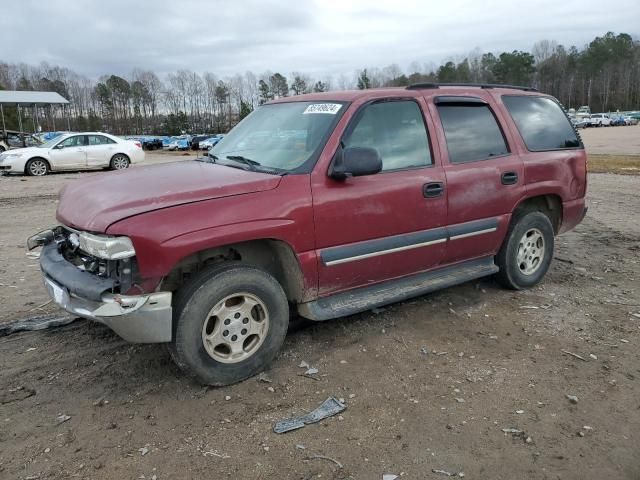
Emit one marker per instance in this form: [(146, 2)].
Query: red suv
[(321, 205)]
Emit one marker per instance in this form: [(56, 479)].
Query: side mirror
[(60, 146), (355, 162)]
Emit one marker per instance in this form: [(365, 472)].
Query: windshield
[(281, 136), (52, 142)]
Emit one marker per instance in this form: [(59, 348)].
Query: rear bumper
[(136, 318), (573, 212)]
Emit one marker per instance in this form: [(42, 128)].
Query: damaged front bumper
[(136, 318)]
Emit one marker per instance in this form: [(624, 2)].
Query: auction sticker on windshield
[(330, 108)]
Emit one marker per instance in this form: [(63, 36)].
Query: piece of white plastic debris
[(62, 419), (143, 451), (303, 364), (311, 371), (519, 412), (572, 398)]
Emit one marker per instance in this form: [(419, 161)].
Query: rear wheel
[(228, 324), (37, 167), (119, 162), (527, 251)]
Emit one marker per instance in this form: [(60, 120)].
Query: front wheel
[(526, 253), (119, 162), (37, 167), (228, 324)]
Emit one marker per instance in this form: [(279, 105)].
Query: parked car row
[(605, 120), (193, 142)]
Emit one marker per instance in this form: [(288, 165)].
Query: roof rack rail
[(420, 86)]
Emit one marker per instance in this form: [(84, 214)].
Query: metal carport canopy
[(13, 97)]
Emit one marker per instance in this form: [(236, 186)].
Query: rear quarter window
[(541, 123)]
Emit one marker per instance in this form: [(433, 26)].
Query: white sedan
[(73, 151)]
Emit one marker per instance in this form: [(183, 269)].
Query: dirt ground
[(429, 384), (612, 140)]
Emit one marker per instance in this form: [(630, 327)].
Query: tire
[(37, 167), (211, 316), (119, 162), (526, 253)]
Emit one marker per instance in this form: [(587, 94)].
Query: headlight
[(10, 156), (109, 248)]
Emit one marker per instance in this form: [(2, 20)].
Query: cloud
[(325, 37)]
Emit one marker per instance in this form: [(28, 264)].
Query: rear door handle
[(433, 189), (509, 178)]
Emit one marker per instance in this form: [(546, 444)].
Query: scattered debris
[(215, 453), (448, 474), (331, 406), (424, 350), (299, 446), (303, 364), (100, 402), (581, 434), (519, 412), (35, 323), (377, 310), (565, 260), (16, 394), (390, 476), (592, 356), (343, 361), (62, 418), (311, 371), (572, 398), (528, 440), (460, 400), (575, 355), (529, 307), (271, 389), (352, 395), (47, 450), (227, 398), (39, 307), (323, 457), (513, 431), (143, 451), (624, 341), (263, 377)]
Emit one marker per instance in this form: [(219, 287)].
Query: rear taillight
[(138, 144)]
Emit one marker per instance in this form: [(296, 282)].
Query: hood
[(25, 151), (93, 203)]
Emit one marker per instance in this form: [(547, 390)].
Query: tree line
[(605, 74)]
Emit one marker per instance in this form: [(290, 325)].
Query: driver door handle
[(433, 189)]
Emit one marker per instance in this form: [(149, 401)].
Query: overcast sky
[(325, 37)]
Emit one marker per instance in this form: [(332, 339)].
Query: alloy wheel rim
[(530, 251), (120, 163), (37, 168), (235, 328)]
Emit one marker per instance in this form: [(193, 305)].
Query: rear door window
[(472, 132), (541, 123)]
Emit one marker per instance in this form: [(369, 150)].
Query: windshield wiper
[(252, 164), (207, 158)]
